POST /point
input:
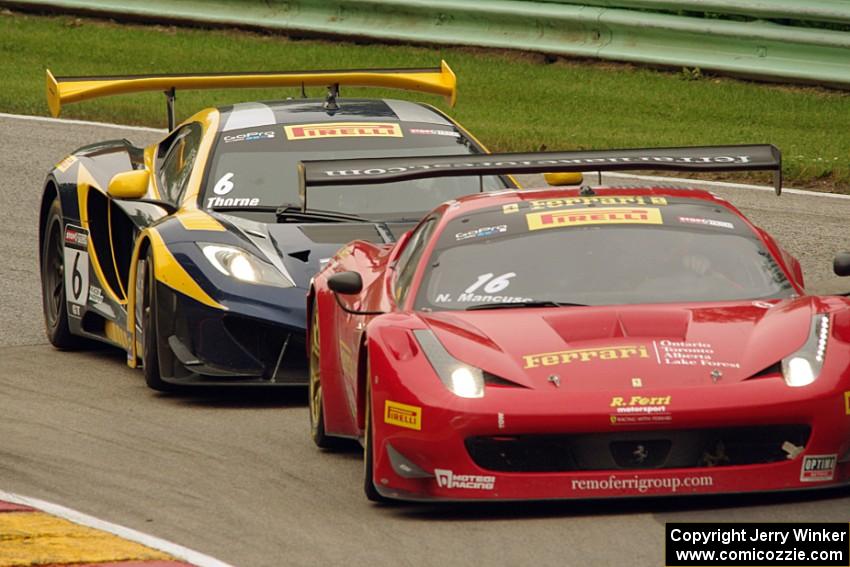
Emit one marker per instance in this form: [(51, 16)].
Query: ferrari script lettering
[(586, 201), (584, 355)]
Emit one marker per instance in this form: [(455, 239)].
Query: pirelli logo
[(579, 217), (847, 403), (403, 415), (343, 130)]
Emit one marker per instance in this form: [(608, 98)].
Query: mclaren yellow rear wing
[(64, 90)]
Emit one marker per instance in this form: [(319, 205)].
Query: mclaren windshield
[(581, 251), (258, 169)]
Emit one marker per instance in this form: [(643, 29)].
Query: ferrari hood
[(599, 348)]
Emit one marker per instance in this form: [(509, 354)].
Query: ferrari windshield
[(557, 252), (259, 168)]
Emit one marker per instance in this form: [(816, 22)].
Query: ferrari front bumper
[(521, 444)]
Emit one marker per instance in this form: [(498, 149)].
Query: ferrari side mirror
[(129, 184), (841, 264), (347, 283), (559, 178)]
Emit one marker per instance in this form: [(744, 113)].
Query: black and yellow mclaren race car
[(195, 254)]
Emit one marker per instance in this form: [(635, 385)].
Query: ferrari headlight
[(461, 379), (803, 367), (242, 265)]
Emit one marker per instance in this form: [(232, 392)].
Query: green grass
[(513, 102)]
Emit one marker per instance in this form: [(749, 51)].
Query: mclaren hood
[(301, 250)]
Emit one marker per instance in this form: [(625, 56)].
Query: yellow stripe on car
[(150, 158), (85, 181), (169, 271), (196, 219), (116, 334), (208, 119), (66, 163), (166, 270)]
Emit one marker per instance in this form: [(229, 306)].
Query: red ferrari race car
[(595, 342)]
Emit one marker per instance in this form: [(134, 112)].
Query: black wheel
[(150, 337), (317, 406), (368, 452), (53, 296)]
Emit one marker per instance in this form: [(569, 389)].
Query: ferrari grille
[(634, 450)]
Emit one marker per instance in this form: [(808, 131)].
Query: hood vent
[(493, 380), (585, 325), (302, 255), (768, 372)]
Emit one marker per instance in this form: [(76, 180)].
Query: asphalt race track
[(234, 474)]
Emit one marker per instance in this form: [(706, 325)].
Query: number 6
[(224, 185), (76, 278)]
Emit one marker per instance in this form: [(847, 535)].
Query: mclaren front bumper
[(248, 344)]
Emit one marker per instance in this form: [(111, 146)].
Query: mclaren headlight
[(243, 266), (461, 379), (803, 367)]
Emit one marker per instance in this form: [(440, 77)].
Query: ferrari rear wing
[(64, 90), (319, 173)]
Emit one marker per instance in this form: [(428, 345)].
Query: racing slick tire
[(53, 296), (317, 404), (150, 337), (368, 451)]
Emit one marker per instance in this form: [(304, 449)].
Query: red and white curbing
[(185, 557)]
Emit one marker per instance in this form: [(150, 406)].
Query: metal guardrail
[(832, 11), (756, 49)]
